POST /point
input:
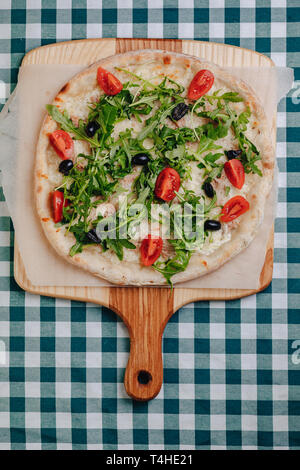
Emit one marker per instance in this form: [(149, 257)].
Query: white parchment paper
[(20, 123)]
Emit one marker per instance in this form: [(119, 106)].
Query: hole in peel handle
[(144, 371), (144, 377)]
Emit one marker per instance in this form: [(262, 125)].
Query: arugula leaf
[(228, 96), (144, 104), (243, 119), (215, 132), (167, 138), (67, 124), (231, 96), (206, 144), (147, 130), (77, 248), (214, 173), (107, 117), (221, 122), (118, 245), (176, 153), (159, 118), (174, 265), (209, 161), (143, 195), (250, 154), (115, 246), (161, 88), (141, 79), (127, 244), (187, 220)]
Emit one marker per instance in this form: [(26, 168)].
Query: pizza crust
[(132, 272)]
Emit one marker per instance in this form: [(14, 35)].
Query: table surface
[(232, 369)]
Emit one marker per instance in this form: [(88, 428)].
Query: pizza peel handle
[(145, 311)]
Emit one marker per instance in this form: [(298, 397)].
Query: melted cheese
[(215, 240)]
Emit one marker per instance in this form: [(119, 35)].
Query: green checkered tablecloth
[(232, 369)]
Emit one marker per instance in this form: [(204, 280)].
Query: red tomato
[(58, 203), (110, 84), (150, 250), (201, 84), (235, 172), (167, 182), (62, 143), (233, 208)]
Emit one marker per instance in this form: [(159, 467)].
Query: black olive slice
[(91, 128), (212, 225), (65, 166), (92, 236), (140, 159), (208, 189), (179, 111), (230, 154)]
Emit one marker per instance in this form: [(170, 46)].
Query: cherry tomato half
[(62, 143), (233, 208), (150, 250), (201, 84), (235, 172), (110, 84), (58, 203), (167, 182)]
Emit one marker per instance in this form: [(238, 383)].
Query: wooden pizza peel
[(145, 310)]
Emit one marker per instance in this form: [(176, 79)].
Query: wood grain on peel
[(125, 45), (145, 312), (267, 270), (79, 52)]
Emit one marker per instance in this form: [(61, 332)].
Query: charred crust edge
[(65, 88)]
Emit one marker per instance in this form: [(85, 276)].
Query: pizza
[(152, 168)]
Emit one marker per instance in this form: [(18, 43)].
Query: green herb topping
[(97, 176)]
